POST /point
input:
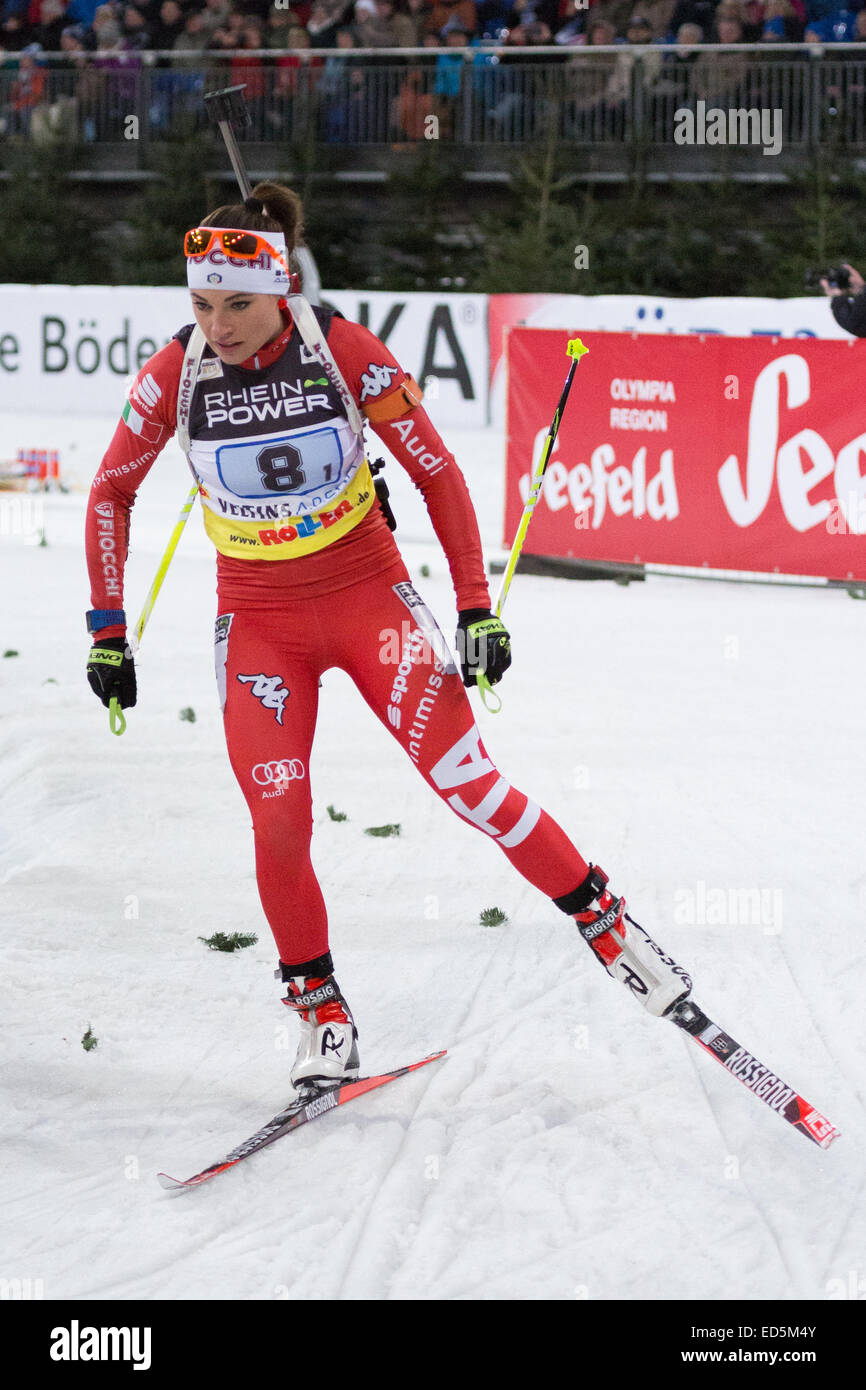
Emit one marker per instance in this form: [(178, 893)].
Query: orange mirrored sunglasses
[(246, 246)]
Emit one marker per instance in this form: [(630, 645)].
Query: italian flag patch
[(137, 423)]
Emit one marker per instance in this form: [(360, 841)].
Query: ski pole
[(226, 111), (575, 350), (116, 717), (164, 563)]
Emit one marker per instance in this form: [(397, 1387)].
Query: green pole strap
[(116, 717), (487, 690)]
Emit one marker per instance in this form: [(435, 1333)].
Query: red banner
[(726, 453)]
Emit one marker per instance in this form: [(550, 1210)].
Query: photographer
[(847, 300)]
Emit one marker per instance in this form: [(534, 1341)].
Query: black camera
[(837, 279)]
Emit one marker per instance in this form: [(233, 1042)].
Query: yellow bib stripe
[(291, 536)]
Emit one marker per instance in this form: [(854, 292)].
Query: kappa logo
[(278, 772), (270, 690), (376, 379)]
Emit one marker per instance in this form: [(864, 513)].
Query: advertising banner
[(804, 317), (440, 338), (725, 453), (74, 349)]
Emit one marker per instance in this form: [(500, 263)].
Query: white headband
[(217, 271)]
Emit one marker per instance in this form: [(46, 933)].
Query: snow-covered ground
[(699, 740)]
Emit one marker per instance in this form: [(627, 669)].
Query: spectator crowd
[(479, 82), (29, 28)]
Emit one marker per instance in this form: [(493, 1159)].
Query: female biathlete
[(309, 577)]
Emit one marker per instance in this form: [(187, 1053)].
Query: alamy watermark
[(706, 906), (21, 515), (21, 1290), (77, 1343), (847, 515), (853, 1286), (740, 126)]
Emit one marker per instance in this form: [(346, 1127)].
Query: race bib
[(307, 462)]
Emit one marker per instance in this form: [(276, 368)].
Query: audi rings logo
[(278, 773)]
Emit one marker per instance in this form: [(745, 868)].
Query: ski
[(757, 1077), (300, 1112)]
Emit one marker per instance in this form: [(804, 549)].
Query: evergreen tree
[(180, 196), (416, 242), (534, 246), (51, 230)]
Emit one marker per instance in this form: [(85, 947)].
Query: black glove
[(111, 671), (482, 645)]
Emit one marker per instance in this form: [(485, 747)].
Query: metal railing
[(475, 97)]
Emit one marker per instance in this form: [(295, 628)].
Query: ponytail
[(271, 208)]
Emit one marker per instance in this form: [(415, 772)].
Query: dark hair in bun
[(271, 208)]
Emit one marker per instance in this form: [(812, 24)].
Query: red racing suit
[(309, 577)]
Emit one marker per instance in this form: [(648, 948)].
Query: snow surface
[(690, 736)]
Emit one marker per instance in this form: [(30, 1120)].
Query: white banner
[(440, 338), (73, 349)]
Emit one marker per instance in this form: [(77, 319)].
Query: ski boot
[(625, 950), (328, 1045)]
